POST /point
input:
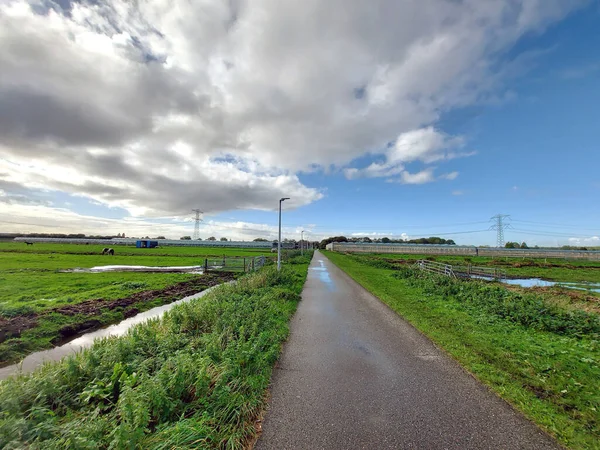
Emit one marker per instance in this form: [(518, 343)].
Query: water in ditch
[(538, 282), (31, 362)]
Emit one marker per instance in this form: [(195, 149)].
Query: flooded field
[(537, 282)]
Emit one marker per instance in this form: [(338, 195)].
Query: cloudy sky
[(376, 117)]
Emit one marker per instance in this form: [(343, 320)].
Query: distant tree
[(185, 238), (512, 245), (329, 240), (212, 238), (524, 245), (160, 237), (224, 239), (261, 240), (385, 240)]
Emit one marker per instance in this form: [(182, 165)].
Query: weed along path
[(353, 374)]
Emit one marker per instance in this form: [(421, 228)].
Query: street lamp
[(281, 200), (302, 242)]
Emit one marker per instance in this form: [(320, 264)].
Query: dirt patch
[(13, 327)]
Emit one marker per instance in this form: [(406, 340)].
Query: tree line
[(434, 240)]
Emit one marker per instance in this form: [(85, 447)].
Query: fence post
[(244, 264), (205, 264), (223, 260), (253, 263)]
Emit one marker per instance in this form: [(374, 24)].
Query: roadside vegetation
[(542, 358), (196, 378)]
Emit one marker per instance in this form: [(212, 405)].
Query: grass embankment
[(194, 379), (545, 268), (543, 359)]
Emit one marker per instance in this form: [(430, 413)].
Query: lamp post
[(302, 242), (281, 200)]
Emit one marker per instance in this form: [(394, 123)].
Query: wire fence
[(454, 271), (234, 263)]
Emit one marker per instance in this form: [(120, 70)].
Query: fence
[(235, 263), (461, 271)]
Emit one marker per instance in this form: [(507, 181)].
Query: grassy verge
[(194, 379), (542, 359)]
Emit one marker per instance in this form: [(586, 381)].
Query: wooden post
[(244, 264), (205, 264)]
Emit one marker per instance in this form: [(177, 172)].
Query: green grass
[(38, 291), (543, 360), (31, 283), (545, 268), (196, 378)]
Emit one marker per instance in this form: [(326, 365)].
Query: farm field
[(543, 357), (40, 306), (195, 378), (546, 269)]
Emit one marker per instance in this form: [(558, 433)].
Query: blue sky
[(513, 130), (538, 158)]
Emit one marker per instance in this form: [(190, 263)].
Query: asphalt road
[(354, 375)]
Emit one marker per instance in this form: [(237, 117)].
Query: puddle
[(538, 282), (31, 362), (128, 268), (324, 275)]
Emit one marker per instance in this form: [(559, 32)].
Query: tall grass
[(195, 378), (529, 310)]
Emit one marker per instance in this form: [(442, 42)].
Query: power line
[(551, 225)]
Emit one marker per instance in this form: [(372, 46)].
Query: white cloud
[(449, 176), (425, 176), (592, 240), (161, 105), (426, 145)]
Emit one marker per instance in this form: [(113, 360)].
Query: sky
[(398, 118)]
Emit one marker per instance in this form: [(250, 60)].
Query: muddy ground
[(13, 327)]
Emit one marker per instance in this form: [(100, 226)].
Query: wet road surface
[(354, 375)]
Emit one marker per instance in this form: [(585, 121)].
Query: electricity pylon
[(196, 235), (500, 226)]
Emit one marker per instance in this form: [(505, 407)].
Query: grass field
[(547, 269), (542, 358), (32, 291), (196, 378)]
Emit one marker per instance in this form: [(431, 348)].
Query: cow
[(108, 251), (29, 243)]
